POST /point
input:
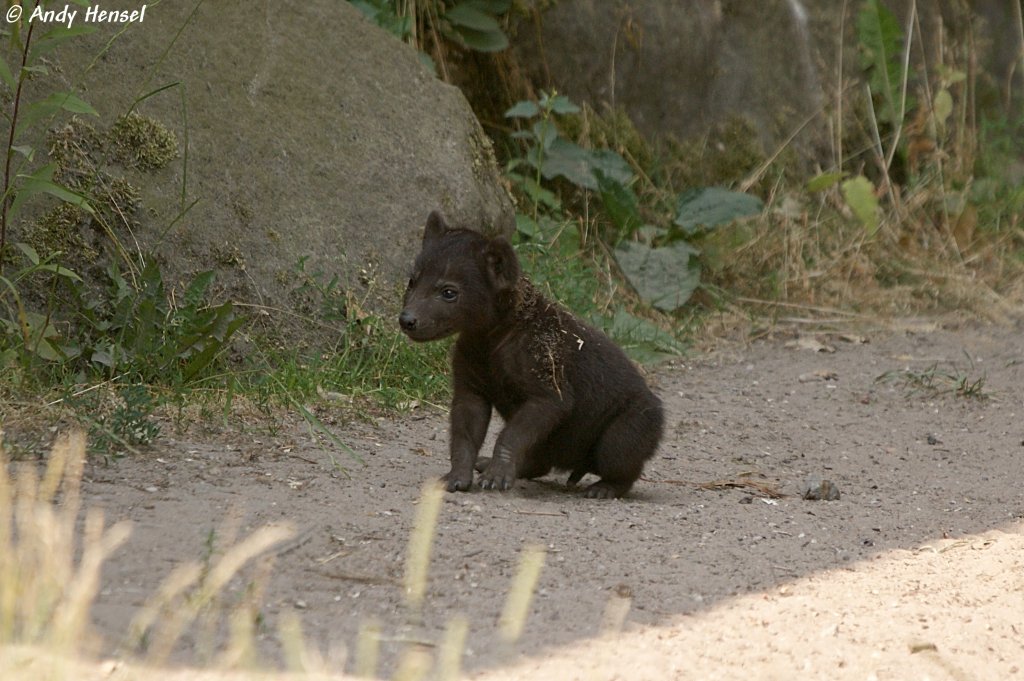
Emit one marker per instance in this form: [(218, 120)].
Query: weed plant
[(51, 564), (918, 209)]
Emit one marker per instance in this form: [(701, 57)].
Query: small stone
[(816, 489)]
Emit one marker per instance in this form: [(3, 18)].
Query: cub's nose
[(407, 320)]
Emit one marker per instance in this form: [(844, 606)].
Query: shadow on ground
[(914, 467)]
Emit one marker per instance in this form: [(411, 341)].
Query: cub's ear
[(502, 264), (436, 227)]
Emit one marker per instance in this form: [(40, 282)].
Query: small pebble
[(816, 489)]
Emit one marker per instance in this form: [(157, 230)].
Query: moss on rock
[(142, 142)]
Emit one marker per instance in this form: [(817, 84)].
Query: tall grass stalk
[(517, 603), (420, 543)]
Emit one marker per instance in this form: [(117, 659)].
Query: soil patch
[(915, 570)]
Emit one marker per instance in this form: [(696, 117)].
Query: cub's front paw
[(455, 481), (499, 475)]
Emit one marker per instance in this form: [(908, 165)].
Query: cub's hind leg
[(625, 445)]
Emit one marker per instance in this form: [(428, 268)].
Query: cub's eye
[(449, 294), (412, 282)]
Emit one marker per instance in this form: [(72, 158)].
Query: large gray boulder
[(678, 68), (310, 134)]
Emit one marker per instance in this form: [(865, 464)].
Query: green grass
[(373, 366), (934, 381)]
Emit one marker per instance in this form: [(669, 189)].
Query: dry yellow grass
[(51, 555)]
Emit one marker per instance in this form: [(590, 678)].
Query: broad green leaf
[(536, 193), (470, 17), (859, 194), (196, 291), (43, 337), (541, 229), (642, 340), (560, 104), (545, 133), (482, 41), (620, 203), (527, 226), (824, 181), (523, 109), (710, 207), (576, 164), (664, 277), (881, 39)]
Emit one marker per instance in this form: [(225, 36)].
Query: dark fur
[(570, 398)]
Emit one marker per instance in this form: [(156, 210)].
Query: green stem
[(10, 145)]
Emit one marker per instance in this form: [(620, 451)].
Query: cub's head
[(462, 282)]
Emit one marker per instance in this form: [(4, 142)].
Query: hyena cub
[(570, 398)]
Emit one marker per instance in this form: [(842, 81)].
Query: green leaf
[(859, 194), (560, 104), (545, 133), (60, 271), (523, 109), (664, 277), (30, 253), (881, 38), (710, 207), (6, 75), (197, 289), (428, 62), (824, 181), (43, 338), (642, 340), (25, 150), (40, 182), (482, 41), (45, 108), (470, 17), (65, 101), (535, 192), (540, 230), (576, 164), (527, 226), (942, 108), (52, 39), (620, 203)]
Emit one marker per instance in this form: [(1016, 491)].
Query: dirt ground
[(916, 572)]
